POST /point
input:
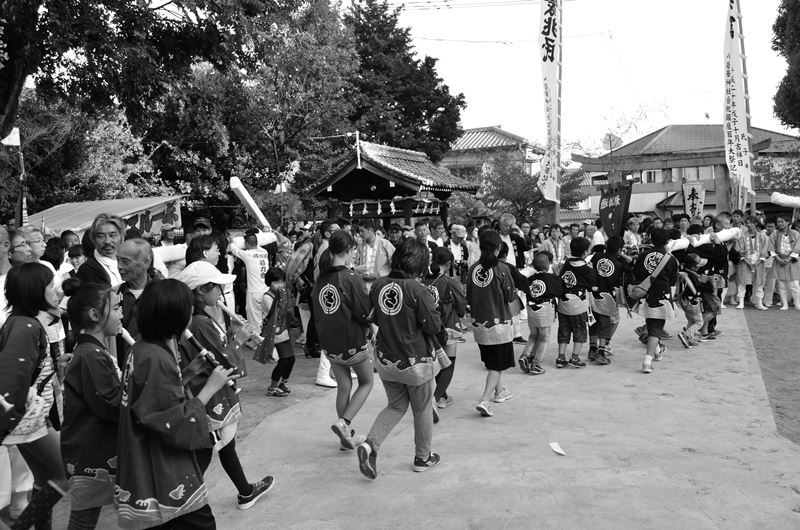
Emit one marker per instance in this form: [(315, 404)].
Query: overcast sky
[(664, 57)]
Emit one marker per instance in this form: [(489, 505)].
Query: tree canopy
[(786, 41)]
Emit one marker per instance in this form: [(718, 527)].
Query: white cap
[(202, 272)]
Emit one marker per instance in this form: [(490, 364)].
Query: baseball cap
[(251, 231), (395, 226), (199, 273), (202, 221)]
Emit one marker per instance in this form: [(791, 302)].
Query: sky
[(649, 63)]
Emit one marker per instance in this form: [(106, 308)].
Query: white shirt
[(256, 263), (507, 240), (439, 242), (110, 266), (3, 302)]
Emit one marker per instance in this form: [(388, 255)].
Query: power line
[(515, 41)]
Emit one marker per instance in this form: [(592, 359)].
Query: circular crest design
[(435, 294), (569, 279), (390, 299), (652, 260), (329, 299), (605, 267), (537, 288), (482, 277)]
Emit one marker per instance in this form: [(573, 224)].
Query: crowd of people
[(118, 368)]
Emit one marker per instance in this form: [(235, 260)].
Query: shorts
[(540, 333), (497, 357), (602, 327), (655, 327), (573, 325)]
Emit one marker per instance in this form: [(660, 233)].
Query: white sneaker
[(503, 396), (740, 305), (326, 381), (484, 409)]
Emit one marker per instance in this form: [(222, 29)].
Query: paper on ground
[(557, 448)]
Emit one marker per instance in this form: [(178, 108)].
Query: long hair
[(411, 257), (489, 242), (440, 257), (340, 242)]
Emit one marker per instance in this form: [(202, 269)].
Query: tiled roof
[(414, 165), (690, 139), (488, 137), (676, 199), (575, 216)]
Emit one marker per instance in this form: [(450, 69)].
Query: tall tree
[(786, 41), (400, 100)]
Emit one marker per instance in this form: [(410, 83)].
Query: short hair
[(108, 219), (579, 246), (76, 251), (327, 226), (738, 212), (66, 233), (574, 225), (771, 220), (674, 233), (598, 223), (508, 218), (436, 222), (724, 214), (367, 224), (785, 216), (694, 230), (395, 227), (541, 262), (165, 309), (274, 274), (25, 286), (143, 248), (412, 256), (614, 244), (198, 245), (678, 216), (752, 219), (251, 239), (84, 297), (421, 222), (341, 242), (341, 221), (555, 226), (440, 256), (659, 237)]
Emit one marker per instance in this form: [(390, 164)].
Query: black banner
[(614, 203)]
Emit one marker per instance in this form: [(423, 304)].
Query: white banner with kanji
[(694, 198), (737, 139), (550, 48)]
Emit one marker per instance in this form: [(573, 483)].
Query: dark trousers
[(202, 519)]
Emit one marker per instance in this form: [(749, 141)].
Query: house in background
[(661, 161), (476, 147)]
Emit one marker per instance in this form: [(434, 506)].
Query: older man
[(516, 244), (106, 236), (134, 258), (374, 257)]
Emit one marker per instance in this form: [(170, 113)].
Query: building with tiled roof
[(477, 146), (658, 163), (379, 181)]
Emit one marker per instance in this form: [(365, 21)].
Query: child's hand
[(594, 289), (219, 378)]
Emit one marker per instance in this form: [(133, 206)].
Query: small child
[(609, 264), (690, 300), (542, 295), (274, 304), (521, 284), (577, 278), (698, 272)]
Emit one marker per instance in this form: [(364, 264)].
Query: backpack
[(637, 291)]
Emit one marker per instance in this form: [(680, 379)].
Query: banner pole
[(751, 192), (557, 208)]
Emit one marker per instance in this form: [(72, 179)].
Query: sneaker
[(421, 465), (342, 430), (600, 358), (276, 391), (536, 369), (660, 353), (609, 350), (520, 340), (684, 340), (285, 388), (484, 409), (367, 460), (444, 402), (647, 368), (525, 364), (666, 334), (505, 395), (707, 337), (640, 330), (693, 343), (561, 362), (260, 488), (357, 440), (576, 362), (643, 338), (327, 382), (592, 353)]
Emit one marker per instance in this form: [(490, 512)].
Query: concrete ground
[(692, 445)]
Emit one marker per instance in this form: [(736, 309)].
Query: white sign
[(694, 198), (737, 136), (550, 50)]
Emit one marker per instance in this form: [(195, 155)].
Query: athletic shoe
[(276, 391), (707, 337), (561, 362), (647, 368), (260, 488), (484, 409), (444, 402), (592, 355), (525, 364), (357, 440), (285, 388), (520, 340), (666, 334), (660, 353), (367, 460), (609, 350), (576, 362), (600, 358), (684, 340), (641, 330), (421, 465), (643, 339), (505, 395), (537, 369), (342, 430)]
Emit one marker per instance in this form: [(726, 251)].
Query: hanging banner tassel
[(392, 208), (379, 207), (351, 210)]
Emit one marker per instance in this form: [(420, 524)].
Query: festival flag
[(614, 204), (694, 198), (550, 43), (12, 139), (737, 135)]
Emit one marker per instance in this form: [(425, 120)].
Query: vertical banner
[(737, 135), (614, 204), (550, 42), (694, 198)]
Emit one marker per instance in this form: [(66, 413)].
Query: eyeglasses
[(25, 244), (36, 242)]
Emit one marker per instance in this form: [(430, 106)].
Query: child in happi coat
[(609, 265), (689, 288), (542, 295), (164, 436), (92, 396), (578, 279), (275, 305)]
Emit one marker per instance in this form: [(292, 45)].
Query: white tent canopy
[(146, 214)]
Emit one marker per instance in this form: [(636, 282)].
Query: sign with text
[(737, 135), (614, 204), (550, 52), (694, 198), (150, 221)]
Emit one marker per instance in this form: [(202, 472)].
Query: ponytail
[(489, 242)]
